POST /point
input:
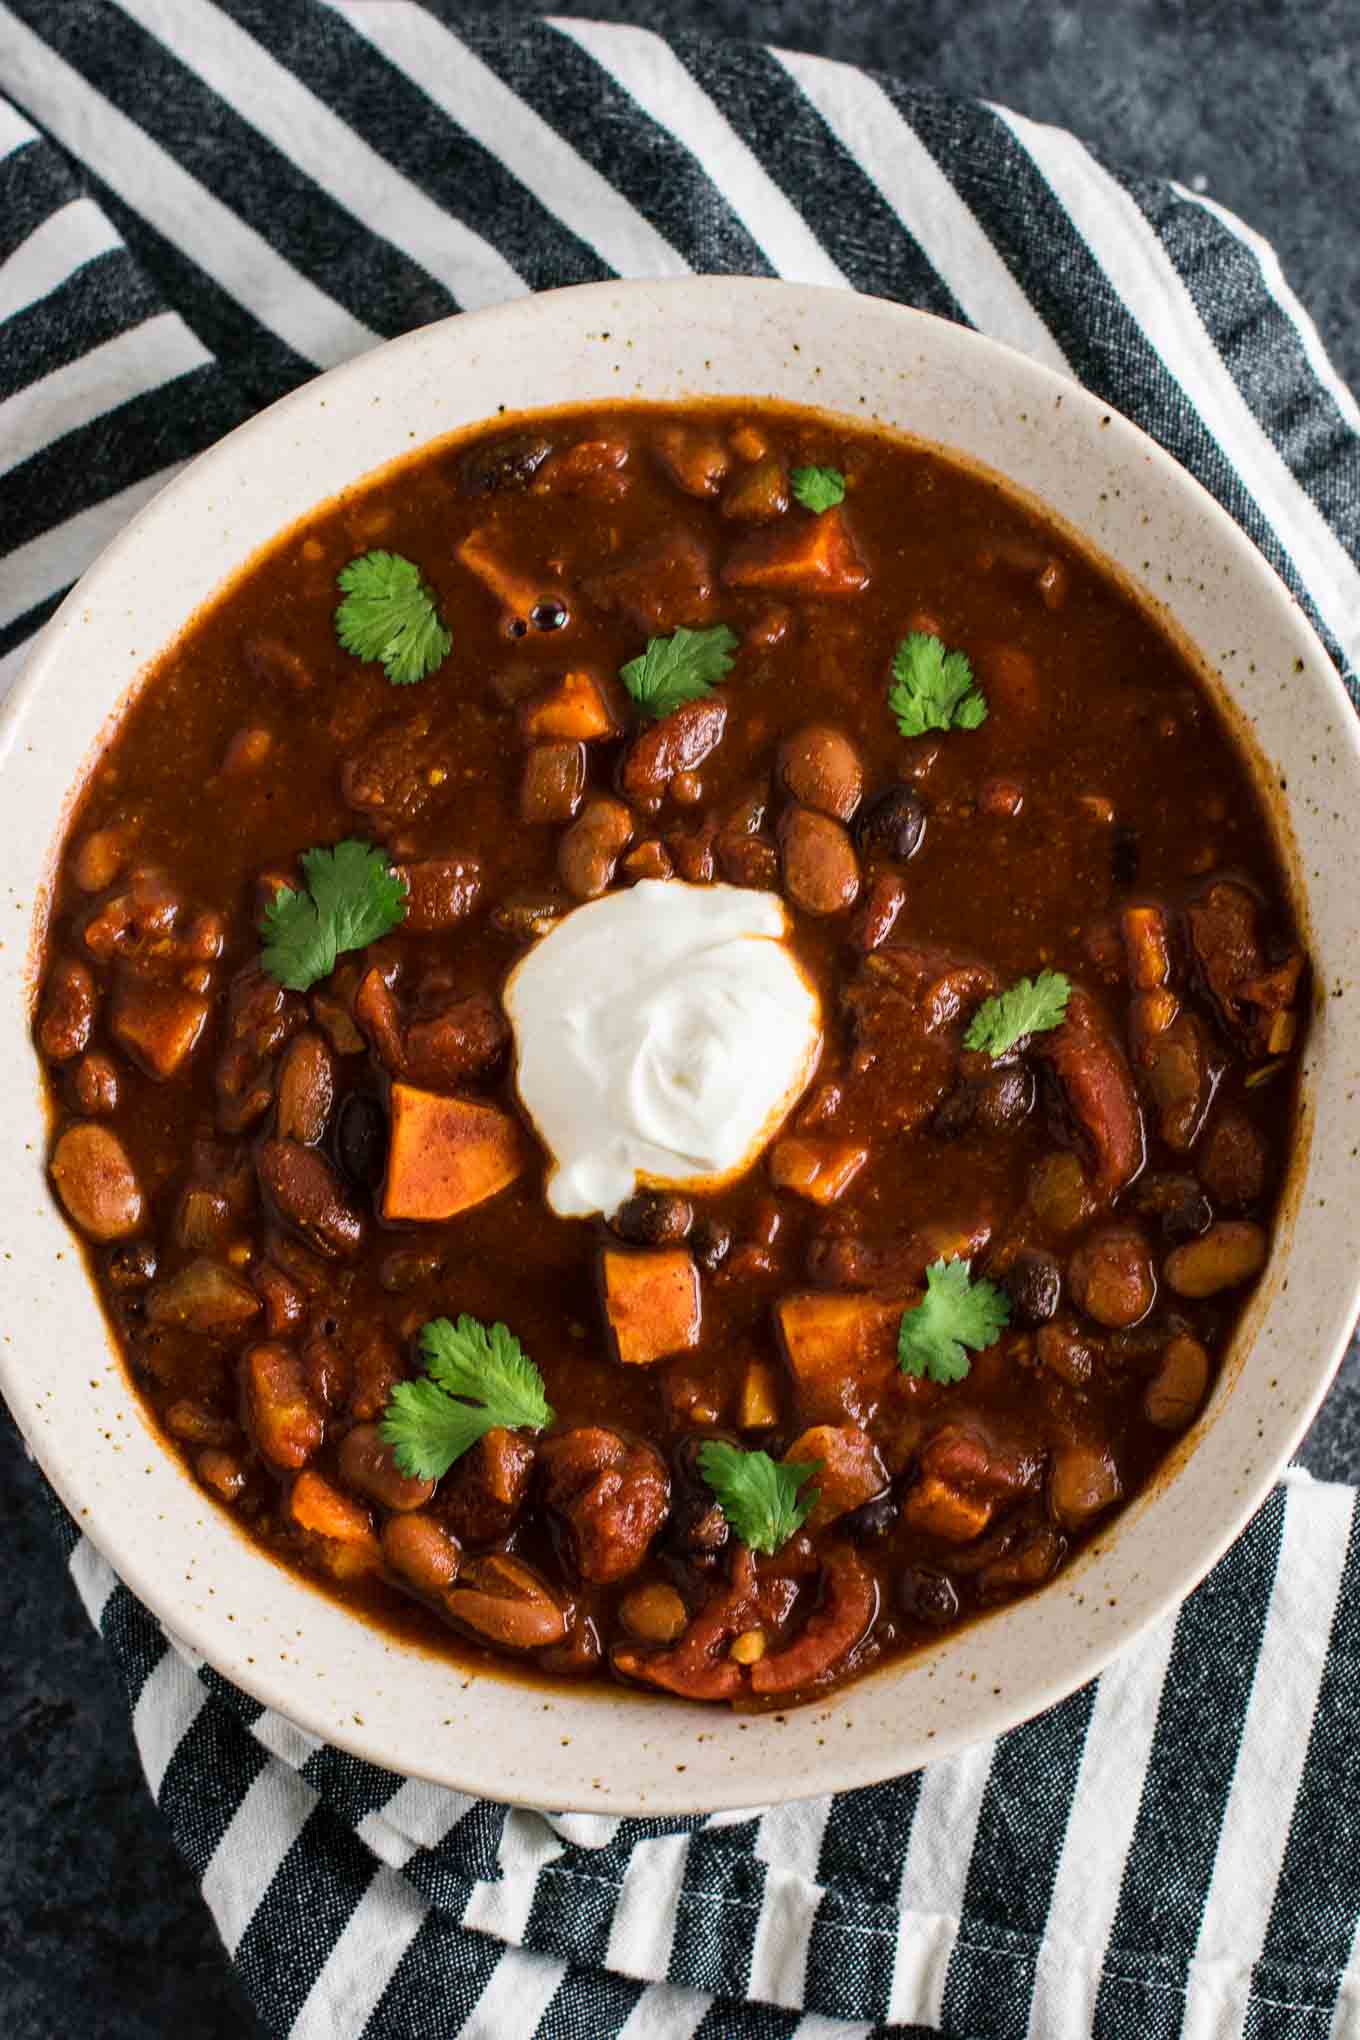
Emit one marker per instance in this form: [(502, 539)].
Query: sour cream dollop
[(662, 1035)]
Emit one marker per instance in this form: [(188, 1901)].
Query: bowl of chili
[(409, 801)]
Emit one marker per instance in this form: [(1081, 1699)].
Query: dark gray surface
[(102, 1935)]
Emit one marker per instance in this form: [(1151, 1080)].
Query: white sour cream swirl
[(662, 1035)]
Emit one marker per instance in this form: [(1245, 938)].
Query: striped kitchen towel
[(202, 202)]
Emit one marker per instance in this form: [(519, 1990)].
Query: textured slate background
[(101, 1934)]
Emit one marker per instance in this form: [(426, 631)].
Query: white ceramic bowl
[(301, 1653)]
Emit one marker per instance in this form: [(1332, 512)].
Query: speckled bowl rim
[(287, 1644)]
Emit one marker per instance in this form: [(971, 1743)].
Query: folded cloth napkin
[(201, 205)]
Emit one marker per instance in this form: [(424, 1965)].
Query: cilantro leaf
[(679, 668), (476, 1379), (759, 1495), (389, 614), (353, 896), (1030, 1007), (955, 1312), (818, 488), (933, 688)]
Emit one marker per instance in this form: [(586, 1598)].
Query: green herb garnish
[(679, 668), (954, 1312), (933, 689), (818, 488), (1032, 1006), (759, 1495), (475, 1380), (353, 896), (389, 614)]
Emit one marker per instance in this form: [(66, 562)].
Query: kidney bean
[(304, 1191), (69, 1007), (504, 1602), (95, 1085), (1110, 1276), (306, 1089)]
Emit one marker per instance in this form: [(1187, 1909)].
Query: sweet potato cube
[(651, 1302), (851, 1471), (816, 1169), (518, 591), (577, 708), (806, 556), (315, 1505), (841, 1348), (158, 1025), (942, 1510), (759, 1406), (447, 1154)]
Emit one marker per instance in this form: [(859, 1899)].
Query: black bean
[(1124, 854), (361, 1139), (928, 1596), (697, 1529), (872, 1520), (709, 1243), (653, 1218), (1005, 1098), (1178, 1204), (1033, 1282), (509, 463), (957, 1113), (131, 1265), (548, 615), (894, 823)]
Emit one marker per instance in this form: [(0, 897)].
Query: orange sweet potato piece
[(315, 1505), (158, 1025), (841, 1348), (851, 1471), (447, 1154), (817, 1169), (576, 708), (807, 556), (518, 591), (651, 1302), (940, 1509)]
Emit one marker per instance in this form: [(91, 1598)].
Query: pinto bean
[(95, 1085), (69, 1008), (1177, 1389), (590, 848), (1230, 1253), (504, 1602), (369, 1465), (196, 1424), (96, 1182), (1083, 1480), (1110, 1276), (821, 874), (821, 768), (306, 1090), (421, 1552), (877, 914), (305, 1193)]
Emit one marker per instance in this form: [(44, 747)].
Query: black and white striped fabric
[(202, 203)]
